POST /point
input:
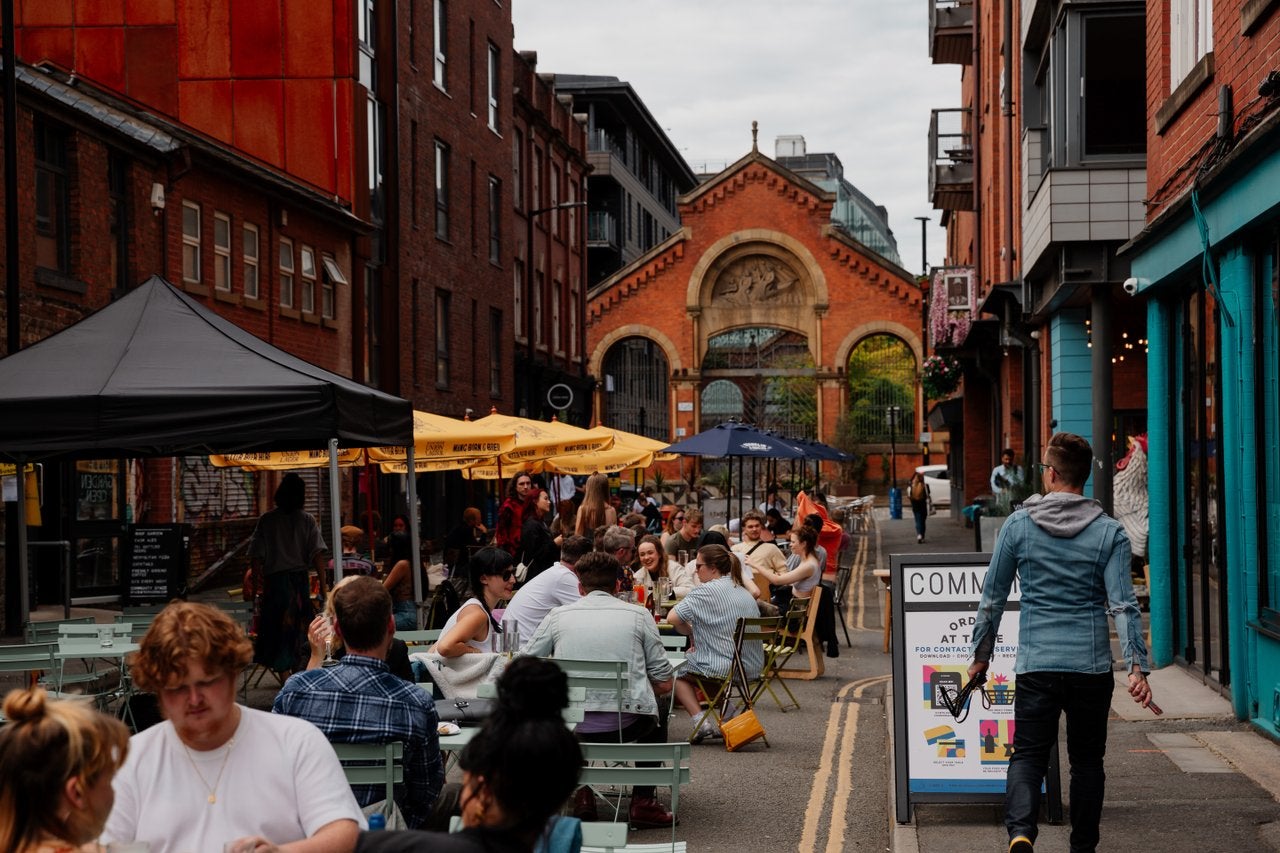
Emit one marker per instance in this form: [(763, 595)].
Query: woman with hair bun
[(516, 772), (57, 760)]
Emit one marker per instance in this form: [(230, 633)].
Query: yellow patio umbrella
[(541, 439), (441, 437), (283, 460), (435, 465)]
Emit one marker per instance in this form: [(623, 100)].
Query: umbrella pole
[(415, 551), (335, 507), (24, 578)]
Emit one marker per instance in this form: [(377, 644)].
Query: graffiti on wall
[(210, 493)]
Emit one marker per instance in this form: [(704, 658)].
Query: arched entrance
[(882, 391), (772, 371), (635, 381)]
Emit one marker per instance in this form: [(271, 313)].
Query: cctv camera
[(1131, 285)]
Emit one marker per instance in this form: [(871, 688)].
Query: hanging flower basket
[(940, 376)]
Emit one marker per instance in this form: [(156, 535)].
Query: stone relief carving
[(757, 279)]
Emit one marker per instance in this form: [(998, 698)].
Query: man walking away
[(1072, 561)]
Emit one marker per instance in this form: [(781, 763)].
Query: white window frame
[(307, 275), (191, 243), (249, 248), (222, 252), (440, 44), (1190, 36), (328, 290), (442, 190), (495, 73), (287, 271), (495, 220)]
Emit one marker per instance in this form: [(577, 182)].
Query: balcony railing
[(600, 140), (950, 160), (951, 32)]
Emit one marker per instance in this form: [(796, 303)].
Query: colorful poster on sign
[(946, 755)]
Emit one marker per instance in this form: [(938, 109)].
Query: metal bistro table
[(91, 649)]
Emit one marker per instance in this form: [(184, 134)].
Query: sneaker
[(648, 813), (704, 727), (584, 805), (919, 538), (1021, 844)]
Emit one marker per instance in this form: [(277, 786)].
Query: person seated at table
[(595, 510), (516, 772), (399, 581), (321, 632), (687, 537), (360, 701), (804, 576), (556, 586), (710, 613), (216, 771), (601, 627), (56, 764), (754, 550), (538, 548), (673, 520), (353, 562), (562, 526), (656, 566), (468, 535), (473, 628), (776, 524), (746, 581)]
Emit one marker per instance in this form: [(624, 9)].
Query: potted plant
[(940, 376)]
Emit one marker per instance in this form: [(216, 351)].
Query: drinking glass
[(683, 557), (105, 638), (328, 643), (509, 640)]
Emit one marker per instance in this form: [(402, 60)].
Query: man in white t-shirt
[(550, 588), (217, 772)]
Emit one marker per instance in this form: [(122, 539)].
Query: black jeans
[(1039, 701), (920, 511)]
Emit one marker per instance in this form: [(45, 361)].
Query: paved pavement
[(1195, 779)]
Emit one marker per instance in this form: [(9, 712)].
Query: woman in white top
[(655, 565), (473, 627), (804, 577)]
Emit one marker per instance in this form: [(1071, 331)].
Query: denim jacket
[(1072, 562), (600, 627)]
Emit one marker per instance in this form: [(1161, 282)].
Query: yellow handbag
[(741, 730)]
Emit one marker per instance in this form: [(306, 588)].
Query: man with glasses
[(1072, 561)]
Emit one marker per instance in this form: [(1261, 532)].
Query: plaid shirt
[(360, 701)]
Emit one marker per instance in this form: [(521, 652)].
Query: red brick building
[(757, 309)]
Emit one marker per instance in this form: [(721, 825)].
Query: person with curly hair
[(216, 771), (57, 760)]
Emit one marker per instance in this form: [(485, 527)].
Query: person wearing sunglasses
[(1072, 563), (473, 628)]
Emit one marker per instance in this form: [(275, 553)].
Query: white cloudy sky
[(851, 76)]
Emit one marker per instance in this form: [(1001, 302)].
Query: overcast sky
[(851, 76)]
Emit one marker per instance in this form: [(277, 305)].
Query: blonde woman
[(321, 629), (57, 760), (595, 510)]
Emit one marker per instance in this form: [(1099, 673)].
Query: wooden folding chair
[(812, 651)]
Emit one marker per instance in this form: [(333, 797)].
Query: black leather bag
[(463, 711)]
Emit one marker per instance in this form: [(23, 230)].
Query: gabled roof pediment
[(755, 166)]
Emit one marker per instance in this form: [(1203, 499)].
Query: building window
[(440, 40), (191, 242), (518, 302), (557, 294), (442, 190), (573, 320), (308, 274), (1190, 36), (1115, 74), (495, 220), (554, 190), (517, 169), (330, 275), (495, 352), (494, 70), (117, 187), (535, 194), (286, 272), (249, 251), (539, 282), (414, 159), (442, 339), (53, 197), (377, 153), (573, 213), (366, 36), (221, 251)]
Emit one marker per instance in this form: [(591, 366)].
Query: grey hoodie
[(1062, 514)]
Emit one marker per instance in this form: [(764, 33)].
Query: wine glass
[(328, 643)]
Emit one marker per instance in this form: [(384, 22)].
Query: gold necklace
[(212, 789)]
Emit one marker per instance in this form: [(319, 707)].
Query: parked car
[(938, 482)]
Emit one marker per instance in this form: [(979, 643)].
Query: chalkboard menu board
[(157, 563)]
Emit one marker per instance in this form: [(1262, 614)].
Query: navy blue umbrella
[(729, 440)]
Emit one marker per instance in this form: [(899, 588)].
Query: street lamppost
[(529, 286)]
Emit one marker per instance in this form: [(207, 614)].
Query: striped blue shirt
[(713, 609)]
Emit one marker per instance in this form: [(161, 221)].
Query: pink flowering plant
[(939, 376)]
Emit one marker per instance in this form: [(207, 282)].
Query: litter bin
[(895, 503)]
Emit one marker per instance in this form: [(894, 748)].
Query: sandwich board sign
[(937, 758)]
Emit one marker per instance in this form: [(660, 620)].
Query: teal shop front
[(1208, 272)]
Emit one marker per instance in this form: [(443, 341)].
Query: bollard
[(895, 503), (977, 527)]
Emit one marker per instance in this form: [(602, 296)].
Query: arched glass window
[(882, 375), (721, 401), (636, 380), (773, 373)]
